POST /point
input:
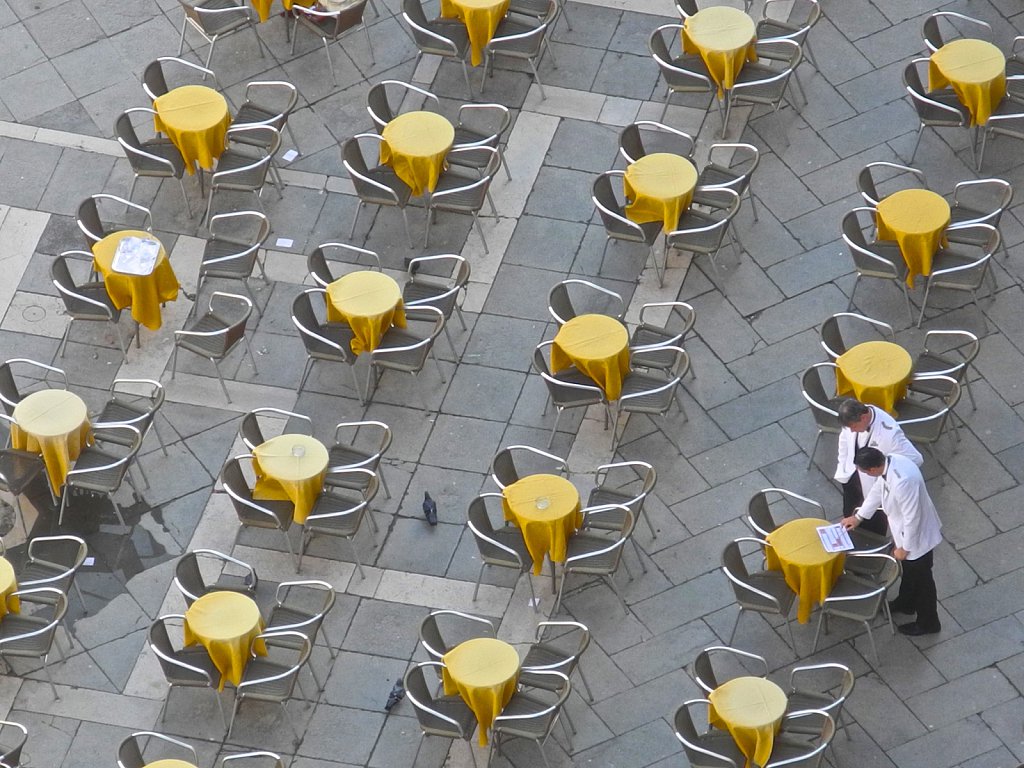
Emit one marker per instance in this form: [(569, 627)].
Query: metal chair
[(532, 715), (558, 646), (446, 38), (318, 262), (185, 667), (216, 333), (135, 402), (272, 677), (868, 185), (853, 597), (764, 592), (597, 554), (923, 422), (570, 298), (11, 394), (933, 35), (380, 107), (625, 483), (356, 453), (825, 687), (824, 407), (935, 109), (946, 353), (18, 470), (570, 388), (339, 512), (707, 678), (759, 514), (189, 579), (955, 269), (649, 338), (480, 125), (270, 515), (731, 165), (31, 633), (88, 301), (766, 82), (663, 137), (461, 193), (502, 547), (978, 201), (705, 748), (447, 717), (652, 392), (331, 25), (53, 561), (442, 291), (100, 471), (259, 759), (524, 42), (244, 165), (301, 606), (214, 19), (698, 232), (155, 81), (130, 750), (617, 225), (267, 102), (379, 185), (331, 342), (407, 349), (833, 341), (801, 751), (156, 158), (251, 432), (883, 261), (12, 741), (514, 462), (782, 20), (93, 227), (685, 73), (233, 250)]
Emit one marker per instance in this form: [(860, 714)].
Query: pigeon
[(396, 695), (429, 509)]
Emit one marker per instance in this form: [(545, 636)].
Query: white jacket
[(913, 519), (885, 435)]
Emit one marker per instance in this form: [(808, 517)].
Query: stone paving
[(69, 66)]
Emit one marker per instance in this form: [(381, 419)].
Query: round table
[(547, 510), (369, 302), (810, 570), (481, 18), (724, 37), (55, 424), (170, 763), (226, 624), (598, 345), (195, 119), (659, 187), (977, 71), (751, 709), (143, 293), (8, 584), (484, 672), (916, 219), (875, 372), (415, 145), (290, 467)]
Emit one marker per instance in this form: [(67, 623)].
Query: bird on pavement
[(429, 509)]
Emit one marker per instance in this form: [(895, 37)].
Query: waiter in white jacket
[(867, 426), (916, 532)]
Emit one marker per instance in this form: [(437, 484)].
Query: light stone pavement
[(67, 67)]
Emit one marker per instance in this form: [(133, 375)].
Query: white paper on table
[(835, 538), (135, 256)]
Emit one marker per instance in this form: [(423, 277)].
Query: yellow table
[(547, 510), (481, 18), (751, 709), (415, 145), (977, 71), (659, 187), (810, 570), (290, 467), (724, 37), (484, 672), (170, 763), (875, 372), (195, 119), (226, 624), (916, 219), (8, 584), (598, 345), (55, 424), (143, 293), (369, 302)]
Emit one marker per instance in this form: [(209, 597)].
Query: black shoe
[(914, 629), (895, 607)]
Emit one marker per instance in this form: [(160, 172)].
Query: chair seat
[(195, 657), (450, 706), (233, 159), (114, 411), (219, 23), (517, 47), (283, 616), (530, 728), (655, 402), (274, 690), (621, 231), (451, 29), (947, 258), (850, 585), (97, 292), (759, 92), (15, 626), (284, 511), (35, 571), (800, 700), (464, 135), (775, 585), (691, 63), (544, 655), (513, 539), (208, 346), (535, 8), (217, 248), (250, 112), (717, 175), (585, 544), (104, 481), (699, 242), (342, 525), (383, 174), (19, 468), (767, 28), (425, 291), (161, 148), (405, 360), (457, 197), (654, 358)]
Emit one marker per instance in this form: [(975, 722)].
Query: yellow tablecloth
[(196, 119), (977, 71), (875, 372), (596, 344), (415, 145), (547, 510), (143, 293), (751, 709), (370, 302), (659, 187), (484, 672), (225, 623), (170, 763), (481, 18), (55, 424), (810, 570), (8, 584), (724, 37), (290, 467), (916, 219)]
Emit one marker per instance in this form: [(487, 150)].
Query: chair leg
[(355, 219), (480, 229), (291, 551), (586, 685), (49, 677), (536, 76), (924, 302), (330, 63), (355, 555), (917, 143), (814, 448), (554, 428), (221, 379), (871, 639), (408, 232), (309, 367), (734, 626), (615, 589), (479, 576)]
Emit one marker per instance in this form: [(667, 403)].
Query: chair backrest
[(64, 552), (832, 340), (593, 298), (478, 520), (705, 675), (258, 759), (666, 139), (829, 678), (10, 394), (814, 393), (812, 719), (506, 468), (240, 309), (457, 625), (251, 432), (692, 738), (866, 258), (432, 720), (188, 578), (12, 741), (868, 185), (315, 336), (89, 220), (932, 30), (736, 570)]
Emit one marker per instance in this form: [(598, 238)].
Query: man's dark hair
[(868, 458), (851, 411)]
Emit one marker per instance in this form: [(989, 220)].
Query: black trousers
[(853, 497), (917, 591)]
